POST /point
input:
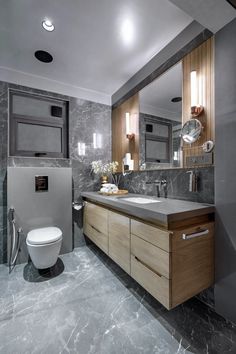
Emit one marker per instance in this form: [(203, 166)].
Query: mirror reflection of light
[(127, 31), (175, 156), (81, 149), (97, 141), (193, 83)]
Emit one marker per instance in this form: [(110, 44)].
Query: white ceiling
[(87, 44), (156, 98)]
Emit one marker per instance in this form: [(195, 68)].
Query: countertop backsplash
[(177, 183)]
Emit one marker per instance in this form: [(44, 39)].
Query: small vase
[(104, 179)]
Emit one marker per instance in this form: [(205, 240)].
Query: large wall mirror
[(160, 121), (160, 109)]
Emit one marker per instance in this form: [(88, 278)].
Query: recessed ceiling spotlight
[(43, 56), (176, 99), (48, 25)]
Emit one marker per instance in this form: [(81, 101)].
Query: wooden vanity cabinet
[(109, 231), (175, 270), (192, 261), (96, 225), (150, 267), (152, 234), (172, 265), (119, 240)]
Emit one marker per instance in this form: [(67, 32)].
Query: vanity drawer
[(119, 240), (154, 235), (96, 225), (157, 285), (100, 239), (154, 258), (192, 235), (97, 217)]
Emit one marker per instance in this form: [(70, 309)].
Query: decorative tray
[(119, 192)]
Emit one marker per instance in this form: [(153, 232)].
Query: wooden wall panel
[(120, 144), (200, 59)]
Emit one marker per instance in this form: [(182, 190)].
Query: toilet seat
[(43, 236)]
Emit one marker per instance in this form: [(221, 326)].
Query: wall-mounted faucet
[(160, 184), (164, 186)]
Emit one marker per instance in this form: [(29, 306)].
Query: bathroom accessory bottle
[(192, 181)]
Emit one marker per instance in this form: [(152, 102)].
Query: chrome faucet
[(164, 186), (159, 185)]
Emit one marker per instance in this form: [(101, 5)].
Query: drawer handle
[(95, 229), (147, 266), (195, 234)]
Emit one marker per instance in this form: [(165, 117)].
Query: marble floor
[(87, 304)]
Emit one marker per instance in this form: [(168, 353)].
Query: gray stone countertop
[(164, 212)]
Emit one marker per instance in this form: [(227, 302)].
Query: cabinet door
[(119, 240), (96, 225)]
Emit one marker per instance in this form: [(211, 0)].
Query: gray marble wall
[(177, 183), (85, 118)]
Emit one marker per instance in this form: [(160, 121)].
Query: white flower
[(105, 169)]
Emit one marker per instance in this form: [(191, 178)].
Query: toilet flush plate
[(41, 183)]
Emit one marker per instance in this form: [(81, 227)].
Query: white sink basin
[(140, 200)]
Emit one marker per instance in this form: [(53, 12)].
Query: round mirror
[(191, 131)]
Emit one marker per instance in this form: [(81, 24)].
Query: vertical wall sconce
[(97, 141), (196, 108), (81, 149), (129, 133)]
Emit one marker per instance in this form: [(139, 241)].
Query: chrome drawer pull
[(195, 234), (146, 266)]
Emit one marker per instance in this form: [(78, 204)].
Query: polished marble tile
[(87, 304)]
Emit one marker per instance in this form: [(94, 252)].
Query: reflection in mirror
[(160, 120)]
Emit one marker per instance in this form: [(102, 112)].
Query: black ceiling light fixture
[(176, 99), (43, 56)]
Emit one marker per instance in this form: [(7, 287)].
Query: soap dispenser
[(192, 181)]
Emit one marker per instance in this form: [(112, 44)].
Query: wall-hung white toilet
[(44, 245)]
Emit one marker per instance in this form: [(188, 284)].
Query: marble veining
[(177, 183), (92, 306)]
